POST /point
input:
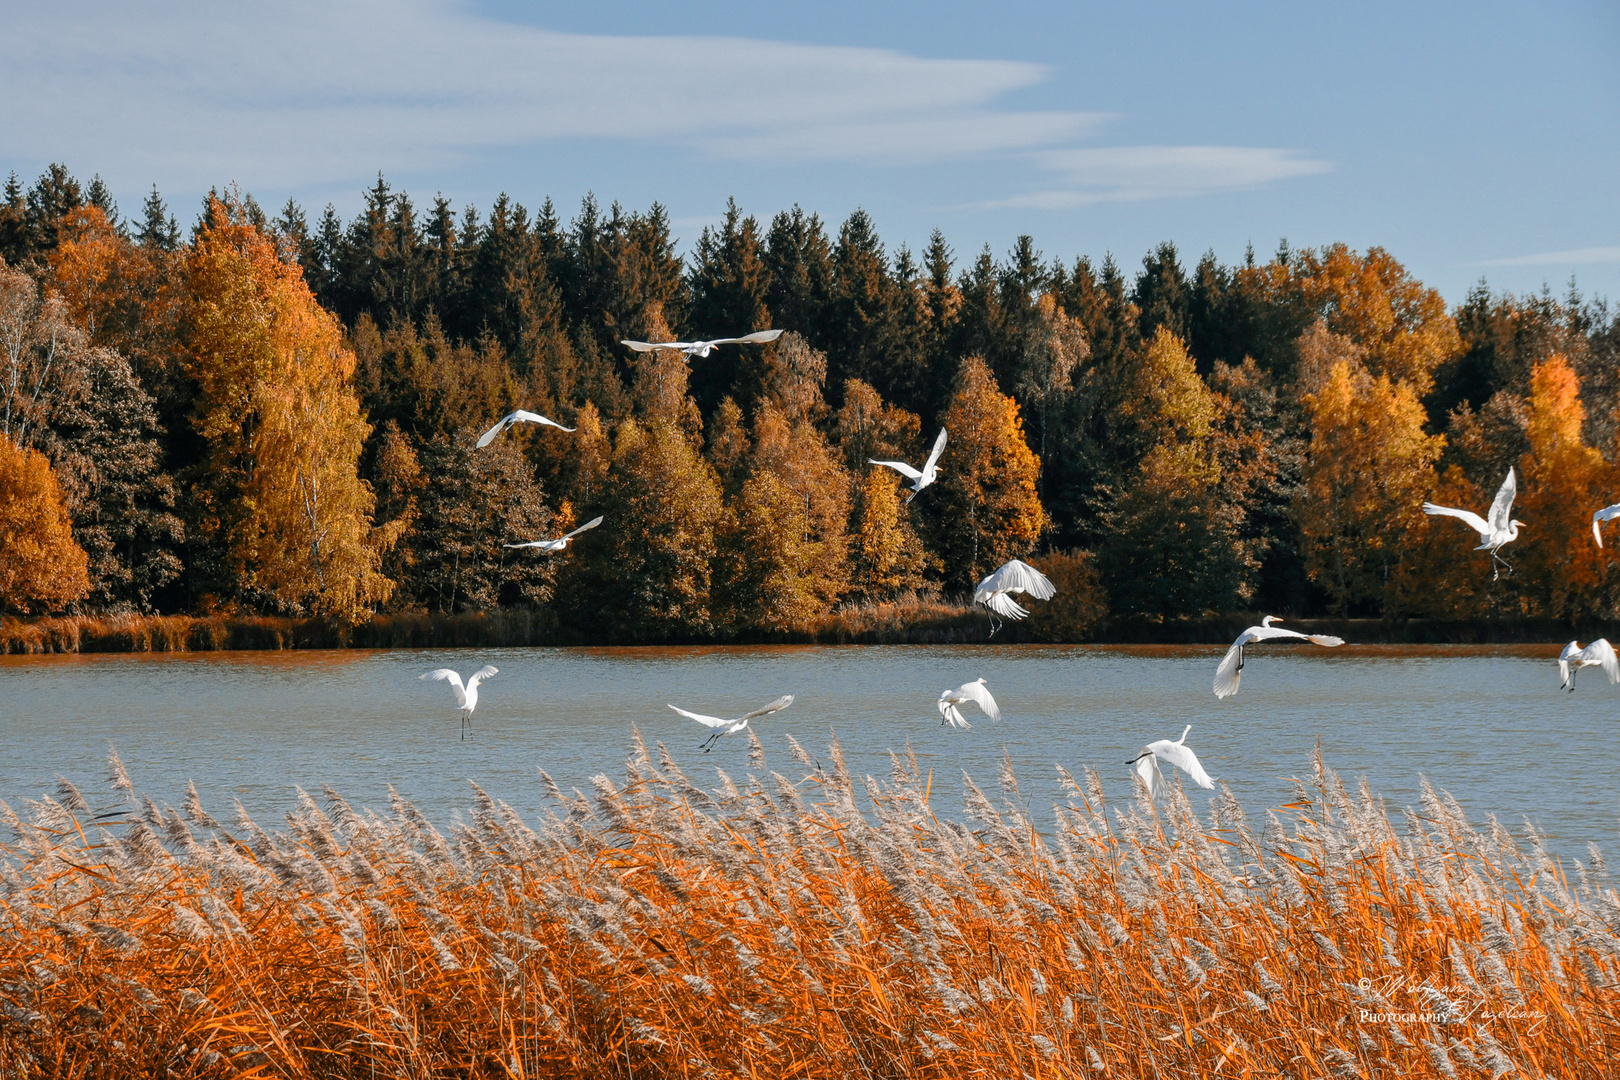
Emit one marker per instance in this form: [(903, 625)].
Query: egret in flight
[(728, 727), (1231, 669), (975, 692), (704, 348), (522, 416), (1598, 654), (1601, 516), (930, 470), (1499, 530), (995, 592), (559, 544), (1176, 753), (466, 696)]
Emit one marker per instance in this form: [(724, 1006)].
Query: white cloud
[(1558, 258), (1135, 173), (324, 92)]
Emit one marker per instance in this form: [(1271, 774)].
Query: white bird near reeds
[(995, 591), (1598, 654), (704, 348), (466, 695), (1176, 753), (1499, 529), (1606, 514), (729, 727), (559, 544), (522, 416), (976, 692), (1231, 669), (919, 478)]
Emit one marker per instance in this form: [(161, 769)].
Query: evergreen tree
[(159, 231), (799, 261), (728, 284)]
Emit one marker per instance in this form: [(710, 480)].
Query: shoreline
[(920, 623)]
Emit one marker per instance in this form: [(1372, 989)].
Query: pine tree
[(159, 231), (728, 286)]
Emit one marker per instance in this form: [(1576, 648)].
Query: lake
[(1489, 724)]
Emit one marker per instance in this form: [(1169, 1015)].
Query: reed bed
[(814, 927)]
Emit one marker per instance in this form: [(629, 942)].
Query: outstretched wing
[(706, 721), (900, 467), (591, 524), (481, 674), (521, 416), (640, 346), (1605, 514), (1017, 576), (776, 706), (444, 674), (1475, 522), (1185, 760), (1147, 767), (1601, 651), (756, 338), (939, 448), (528, 544), (1227, 675), (1502, 507), (1001, 604), (979, 694)]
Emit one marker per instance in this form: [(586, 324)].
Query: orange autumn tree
[(1561, 481), (282, 495), (42, 568)]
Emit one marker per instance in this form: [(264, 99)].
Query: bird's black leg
[(1241, 655), (995, 624)]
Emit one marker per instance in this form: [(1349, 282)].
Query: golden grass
[(772, 929)]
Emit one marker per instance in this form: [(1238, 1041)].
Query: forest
[(274, 414)]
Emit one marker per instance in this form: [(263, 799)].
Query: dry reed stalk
[(772, 928)]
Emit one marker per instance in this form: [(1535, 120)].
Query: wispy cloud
[(1135, 173), (319, 92), (1572, 257)]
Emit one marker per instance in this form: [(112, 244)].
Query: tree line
[(271, 414)]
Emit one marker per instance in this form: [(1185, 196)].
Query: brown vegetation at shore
[(773, 929)]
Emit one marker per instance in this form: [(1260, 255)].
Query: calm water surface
[(1487, 724)]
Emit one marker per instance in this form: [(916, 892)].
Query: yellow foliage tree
[(284, 429), (42, 568), (1369, 467), (889, 556), (987, 479)]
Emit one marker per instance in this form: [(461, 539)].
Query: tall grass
[(773, 928)]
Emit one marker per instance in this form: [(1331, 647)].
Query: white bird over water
[(975, 692), (466, 696), (728, 727), (995, 591), (1605, 514), (930, 469), (522, 416), (1177, 754), (1499, 530), (1231, 669), (559, 544), (704, 348), (1598, 654)]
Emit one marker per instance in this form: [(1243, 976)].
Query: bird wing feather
[(528, 544), (706, 721), (952, 715), (979, 694), (1184, 759), (900, 467), (1227, 675), (1608, 513), (1017, 576), (640, 346), (1325, 639), (1267, 633), (1147, 767), (776, 706), (444, 674), (939, 448), (481, 674), (1603, 653), (1002, 604), (1475, 522), (1570, 650), (1502, 505), (591, 524)]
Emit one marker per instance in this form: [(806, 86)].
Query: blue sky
[(1469, 139)]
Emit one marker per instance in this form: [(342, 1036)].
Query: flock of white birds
[(996, 594)]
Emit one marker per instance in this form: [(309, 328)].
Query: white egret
[(930, 470), (1176, 753), (1605, 514), (1231, 669), (1598, 654), (559, 544), (975, 692), (728, 727), (522, 416), (995, 591), (704, 348), (466, 696), (1499, 530)]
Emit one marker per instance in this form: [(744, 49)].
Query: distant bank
[(917, 623)]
